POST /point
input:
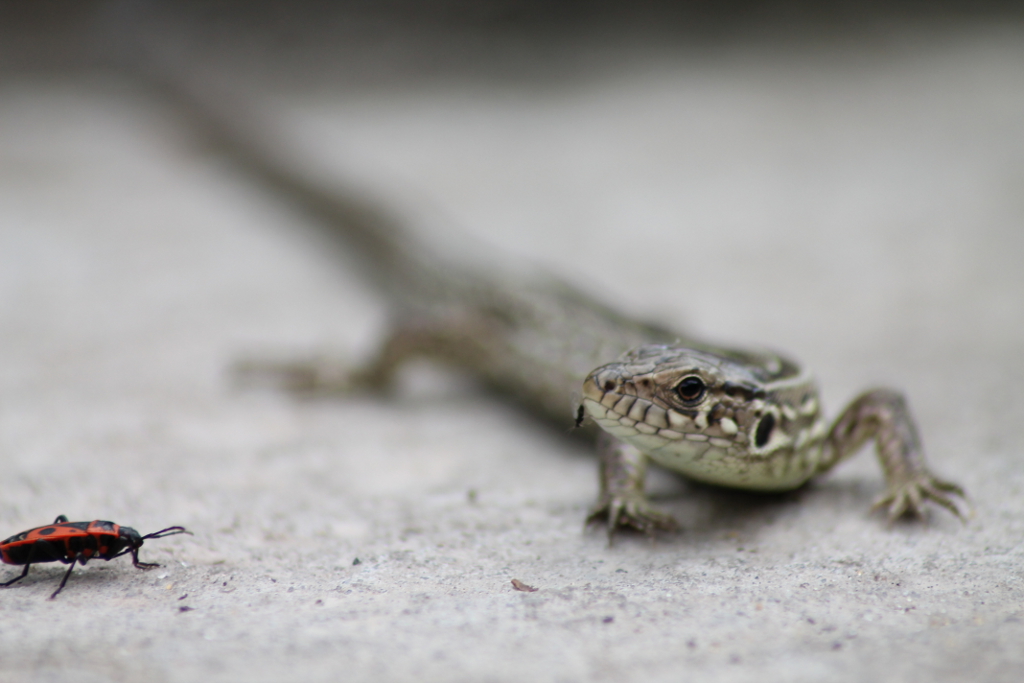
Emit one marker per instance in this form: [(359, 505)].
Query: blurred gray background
[(842, 181)]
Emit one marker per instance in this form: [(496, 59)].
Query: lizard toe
[(634, 512), (909, 498)]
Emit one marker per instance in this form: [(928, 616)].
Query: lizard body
[(741, 419)]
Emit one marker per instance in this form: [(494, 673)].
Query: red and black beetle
[(71, 542)]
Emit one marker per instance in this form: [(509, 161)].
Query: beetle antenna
[(169, 531)]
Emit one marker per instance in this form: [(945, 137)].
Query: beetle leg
[(24, 573), (21, 576), (63, 581), (141, 565)]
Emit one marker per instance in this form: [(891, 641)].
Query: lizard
[(734, 418)]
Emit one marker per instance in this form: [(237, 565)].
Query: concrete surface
[(861, 209)]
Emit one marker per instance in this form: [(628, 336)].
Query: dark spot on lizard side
[(580, 415)]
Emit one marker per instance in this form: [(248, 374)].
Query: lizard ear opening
[(764, 430)]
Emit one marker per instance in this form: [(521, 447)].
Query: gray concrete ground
[(861, 209)]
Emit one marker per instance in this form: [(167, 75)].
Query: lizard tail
[(226, 120)]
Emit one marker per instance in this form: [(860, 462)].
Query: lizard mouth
[(614, 404), (624, 409)]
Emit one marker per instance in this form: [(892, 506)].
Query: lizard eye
[(691, 389)]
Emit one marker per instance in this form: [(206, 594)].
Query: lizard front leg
[(882, 415), (622, 502)]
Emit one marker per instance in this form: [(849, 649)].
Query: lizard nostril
[(609, 385)]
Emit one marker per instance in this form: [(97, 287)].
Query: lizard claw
[(909, 497), (633, 511)]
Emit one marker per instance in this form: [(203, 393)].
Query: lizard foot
[(302, 377), (909, 497), (633, 511)]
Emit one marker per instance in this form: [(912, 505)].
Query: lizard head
[(681, 404)]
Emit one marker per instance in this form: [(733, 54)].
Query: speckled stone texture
[(859, 207)]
